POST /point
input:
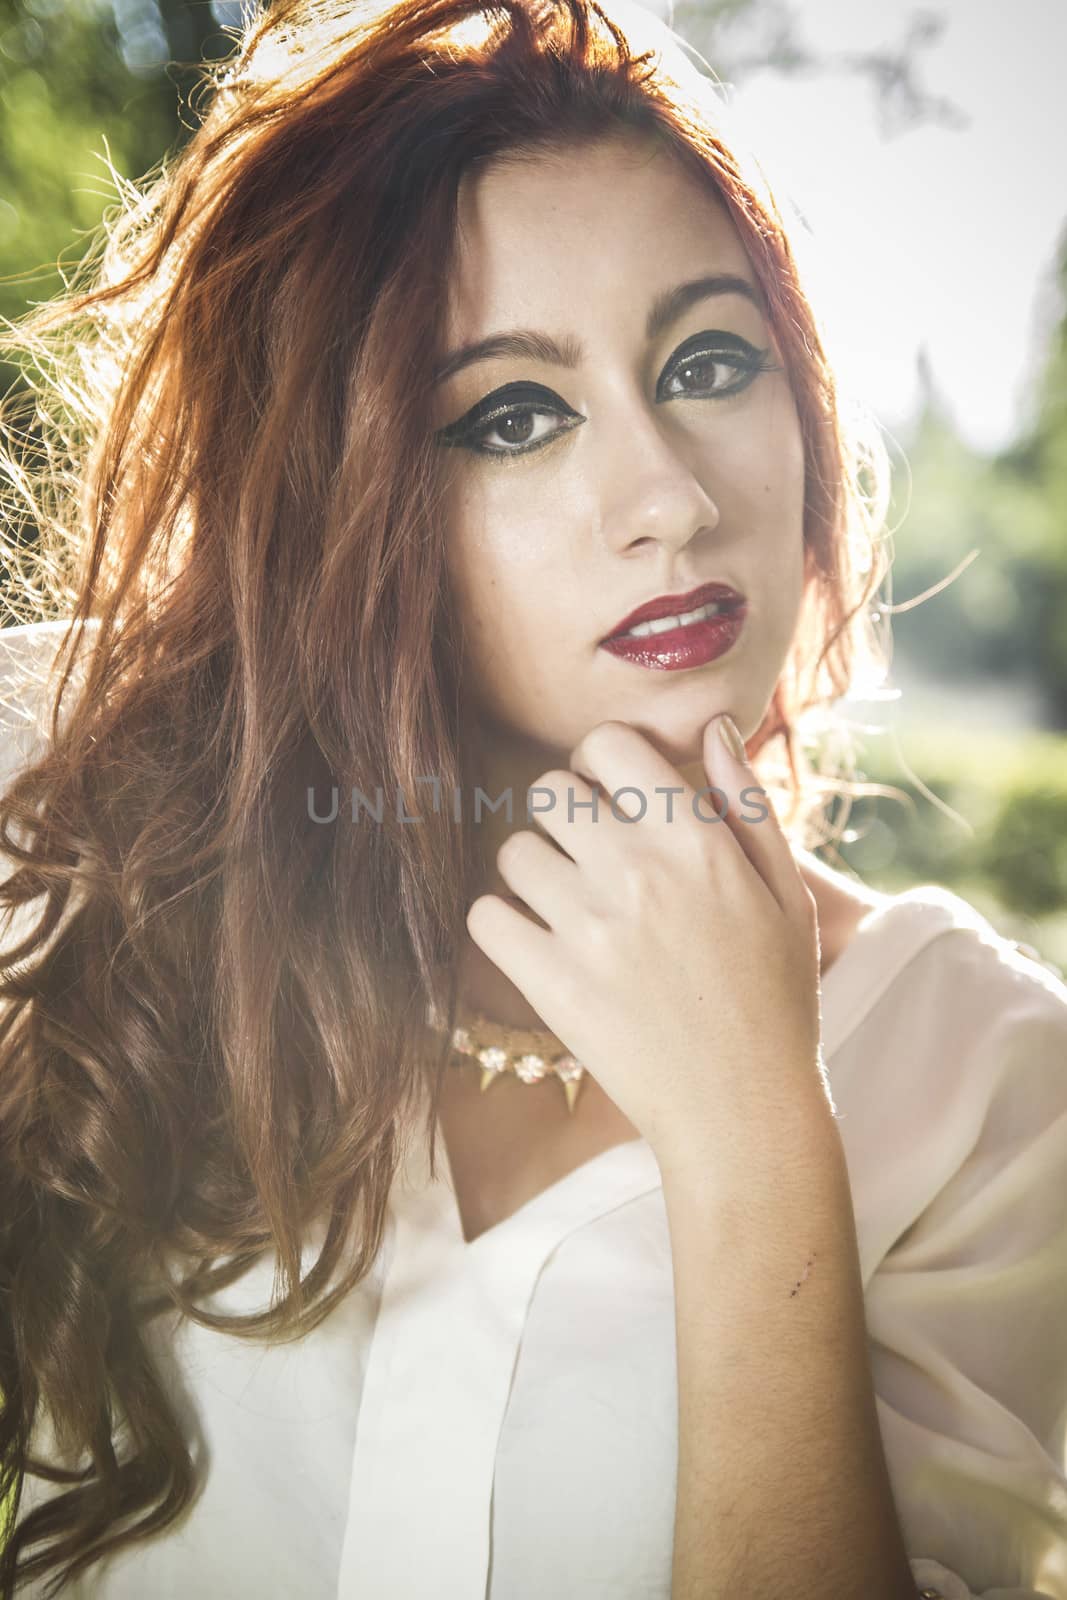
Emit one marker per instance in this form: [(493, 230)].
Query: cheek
[(492, 596), (795, 468), (468, 551), (756, 470), (778, 467), (502, 560)]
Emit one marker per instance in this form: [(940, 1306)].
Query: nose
[(651, 495)]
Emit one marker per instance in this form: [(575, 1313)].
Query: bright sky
[(934, 236)]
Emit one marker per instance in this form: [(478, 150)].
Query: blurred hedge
[(986, 816)]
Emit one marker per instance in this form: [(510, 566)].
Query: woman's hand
[(679, 961)]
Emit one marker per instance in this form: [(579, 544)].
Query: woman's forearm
[(782, 1484)]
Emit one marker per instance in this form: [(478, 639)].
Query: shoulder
[(927, 941), (1006, 1011), (950, 1084), (988, 969), (968, 1028), (973, 976)]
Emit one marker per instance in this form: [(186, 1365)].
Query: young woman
[(448, 430)]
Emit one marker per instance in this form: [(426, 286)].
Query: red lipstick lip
[(669, 605)]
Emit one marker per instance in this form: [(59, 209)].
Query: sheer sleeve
[(967, 1313), (26, 653)]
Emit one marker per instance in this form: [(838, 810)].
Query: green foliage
[(66, 100), (70, 107), (986, 817), (1006, 614)]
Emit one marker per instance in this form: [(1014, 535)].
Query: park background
[(922, 145)]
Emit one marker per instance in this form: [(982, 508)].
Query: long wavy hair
[(213, 1030)]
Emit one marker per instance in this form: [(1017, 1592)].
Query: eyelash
[(469, 433)]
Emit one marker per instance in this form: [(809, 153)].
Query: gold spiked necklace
[(530, 1054)]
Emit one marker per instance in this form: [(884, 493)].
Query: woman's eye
[(715, 371), (515, 431), (511, 423)]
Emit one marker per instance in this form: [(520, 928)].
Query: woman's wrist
[(727, 1149)]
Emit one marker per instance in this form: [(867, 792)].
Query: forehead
[(570, 230)]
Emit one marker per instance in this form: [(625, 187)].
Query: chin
[(682, 740), (681, 750)]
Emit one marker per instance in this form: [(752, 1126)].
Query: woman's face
[(647, 467)]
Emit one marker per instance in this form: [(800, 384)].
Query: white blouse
[(496, 1420)]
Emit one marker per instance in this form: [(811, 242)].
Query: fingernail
[(731, 738)]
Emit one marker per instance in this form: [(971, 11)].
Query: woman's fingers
[(650, 794), (524, 952), (541, 875), (620, 781), (635, 778), (751, 816)]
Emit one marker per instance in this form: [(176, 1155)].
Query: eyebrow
[(528, 344)]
